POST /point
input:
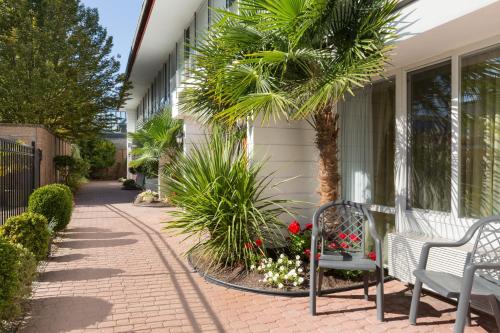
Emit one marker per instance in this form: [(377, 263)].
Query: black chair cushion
[(336, 262)]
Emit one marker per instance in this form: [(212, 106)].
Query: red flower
[(248, 246), (294, 227), (332, 246), (344, 245), (342, 235), (309, 226), (354, 238), (258, 242), (318, 256), (307, 252), (372, 255)]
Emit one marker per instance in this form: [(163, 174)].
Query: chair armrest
[(424, 255), (484, 265)]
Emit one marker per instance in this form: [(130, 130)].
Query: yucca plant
[(292, 59), (222, 201)]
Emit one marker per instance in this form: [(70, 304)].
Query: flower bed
[(150, 199), (281, 271)]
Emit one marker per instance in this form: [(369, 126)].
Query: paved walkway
[(115, 271)]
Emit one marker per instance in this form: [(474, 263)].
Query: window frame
[(450, 223)]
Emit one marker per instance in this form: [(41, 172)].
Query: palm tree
[(291, 59), (156, 143)]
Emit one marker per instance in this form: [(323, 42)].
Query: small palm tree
[(291, 59), (156, 143)]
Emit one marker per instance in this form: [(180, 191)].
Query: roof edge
[(141, 29)]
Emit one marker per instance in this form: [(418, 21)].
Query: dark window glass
[(480, 129), (429, 110)]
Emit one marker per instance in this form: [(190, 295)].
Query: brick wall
[(50, 145)]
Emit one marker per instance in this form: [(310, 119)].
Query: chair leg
[(380, 293), (495, 306), (415, 300), (320, 279), (468, 318), (463, 308), (312, 288), (366, 281)]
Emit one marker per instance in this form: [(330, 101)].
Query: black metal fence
[(19, 176)]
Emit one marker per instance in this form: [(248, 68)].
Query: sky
[(119, 17)]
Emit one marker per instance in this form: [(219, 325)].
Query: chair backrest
[(487, 249), (342, 228)]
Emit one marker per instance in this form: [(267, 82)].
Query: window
[(429, 114), (480, 134), (367, 144)]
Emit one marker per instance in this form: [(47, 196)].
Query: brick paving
[(114, 270)]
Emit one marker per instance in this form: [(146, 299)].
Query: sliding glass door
[(367, 144)]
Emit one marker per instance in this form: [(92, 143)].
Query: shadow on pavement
[(79, 274)]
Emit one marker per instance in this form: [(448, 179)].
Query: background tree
[(56, 67), (291, 59), (99, 153)]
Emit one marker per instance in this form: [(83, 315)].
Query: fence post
[(36, 165)]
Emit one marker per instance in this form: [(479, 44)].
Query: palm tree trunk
[(326, 124)]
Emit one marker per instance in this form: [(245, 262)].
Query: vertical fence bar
[(19, 176)]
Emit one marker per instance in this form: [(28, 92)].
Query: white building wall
[(288, 151)]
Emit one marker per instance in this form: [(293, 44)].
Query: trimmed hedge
[(66, 189), (17, 271), (53, 202), (30, 230)]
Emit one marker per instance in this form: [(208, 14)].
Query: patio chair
[(341, 229), (481, 277)]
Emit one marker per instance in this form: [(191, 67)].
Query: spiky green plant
[(156, 141), (222, 201), (291, 59)]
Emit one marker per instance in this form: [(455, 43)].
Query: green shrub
[(66, 189), (130, 184), (17, 271), (222, 201), (30, 230), (53, 202)]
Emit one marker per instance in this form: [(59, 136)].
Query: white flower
[(297, 263), (301, 279), (270, 280), (280, 286), (270, 260), (280, 261), (286, 277), (295, 284), (297, 257), (292, 273), (282, 256), (268, 265), (252, 267), (300, 270), (275, 278), (282, 268)]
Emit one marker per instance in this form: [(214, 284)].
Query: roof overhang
[(161, 24)]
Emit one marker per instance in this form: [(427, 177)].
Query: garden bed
[(157, 204), (242, 279)]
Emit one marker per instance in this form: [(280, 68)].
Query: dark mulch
[(240, 276)]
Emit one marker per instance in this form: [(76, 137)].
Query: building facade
[(418, 146)]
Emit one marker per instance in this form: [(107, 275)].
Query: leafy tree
[(56, 67), (156, 142), (291, 59), (99, 153)]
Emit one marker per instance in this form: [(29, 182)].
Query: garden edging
[(304, 293)]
